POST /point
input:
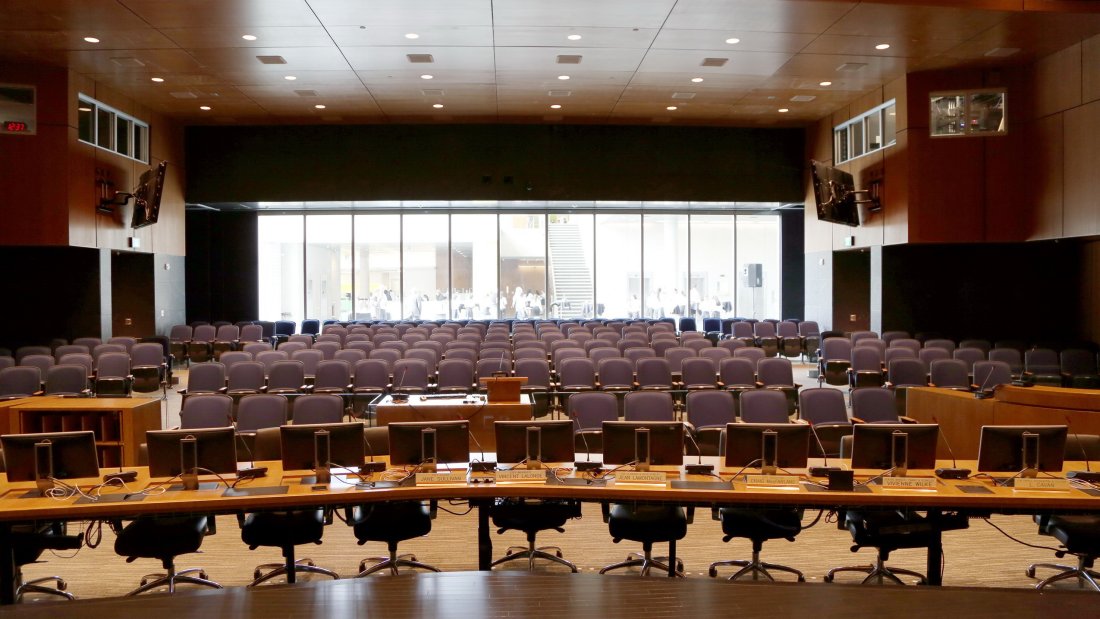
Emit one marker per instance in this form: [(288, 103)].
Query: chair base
[(877, 571), (35, 586), (281, 569), (646, 562), (531, 553), (391, 563), (171, 579), (1080, 572), (755, 568)]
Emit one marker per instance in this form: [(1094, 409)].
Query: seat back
[(822, 405), (764, 406), (20, 381), (907, 373), (332, 375), (261, 410), (370, 375), (710, 409), (318, 408), (456, 374), (245, 376), (206, 377), (206, 411), (648, 406), (653, 373), (737, 371), (590, 409), (577, 373), (285, 375), (775, 371), (699, 372), (989, 374), (874, 405), (969, 356)]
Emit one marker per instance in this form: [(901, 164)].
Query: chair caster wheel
[(1030, 572), (256, 575), (362, 566), (828, 578), (143, 582), (801, 579), (202, 575), (62, 585), (712, 572), (558, 553)]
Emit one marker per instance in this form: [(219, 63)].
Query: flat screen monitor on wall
[(147, 197), (835, 195)]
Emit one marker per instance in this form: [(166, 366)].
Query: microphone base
[(822, 471), (483, 467), (252, 471), (121, 475), (699, 469), (1090, 476), (372, 467), (585, 465), (952, 473), (983, 395)]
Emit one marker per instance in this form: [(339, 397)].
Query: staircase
[(569, 278)]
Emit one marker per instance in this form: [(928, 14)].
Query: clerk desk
[(282, 491)]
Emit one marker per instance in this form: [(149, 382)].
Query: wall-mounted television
[(147, 197), (835, 195)]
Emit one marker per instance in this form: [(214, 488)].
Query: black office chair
[(759, 526), (284, 530), (886, 531), (165, 538), (28, 543), (648, 524), (1080, 536), (391, 522), (532, 516)]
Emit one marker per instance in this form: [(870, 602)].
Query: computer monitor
[(881, 445), (1022, 449), (626, 442), (216, 450), (301, 449), (73, 455), (409, 440), (542, 441), (753, 443)]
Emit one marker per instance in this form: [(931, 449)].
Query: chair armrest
[(905, 419), (857, 420)]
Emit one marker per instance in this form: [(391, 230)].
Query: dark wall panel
[(132, 294), (51, 292), (493, 162), (794, 270), (1019, 291), (852, 290), (222, 266)]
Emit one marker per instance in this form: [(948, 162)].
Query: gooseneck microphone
[(954, 472), (699, 468), (820, 471), (1087, 474), (981, 393), (251, 470), (371, 466)]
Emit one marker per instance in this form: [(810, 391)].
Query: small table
[(472, 408)]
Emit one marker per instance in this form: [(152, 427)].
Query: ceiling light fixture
[(783, 110), (696, 79), (426, 76), (555, 107), (248, 37), (290, 78), (826, 83), (733, 41), (157, 79), (574, 37), (437, 105), (671, 108), (412, 35), (882, 46), (320, 106), (563, 77), (91, 39), (205, 108)]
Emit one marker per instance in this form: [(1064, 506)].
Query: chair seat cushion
[(156, 537), (647, 523), (1080, 534), (890, 530), (279, 529), (391, 522), (761, 524), (527, 515)]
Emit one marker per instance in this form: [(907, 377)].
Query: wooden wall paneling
[(895, 206), (1081, 151), (818, 235), (864, 170), (868, 100), (83, 194), (1090, 69), (166, 144), (113, 229), (1007, 175), (947, 190), (819, 140), (34, 206), (897, 90), (1058, 81), (1044, 163)]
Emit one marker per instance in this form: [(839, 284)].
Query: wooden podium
[(503, 389)]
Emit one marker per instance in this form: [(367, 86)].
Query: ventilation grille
[(803, 98), (271, 59), (851, 67), (420, 58), (306, 93), (714, 62), (128, 62), (432, 92), (559, 93), (683, 95), (569, 59)]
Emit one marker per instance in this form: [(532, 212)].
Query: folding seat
[(304, 340), (112, 375), (752, 354), (226, 338), (698, 345), (616, 374), (969, 356), (890, 336), (949, 374), (870, 342), (699, 373), (824, 409), (364, 346), (179, 337), (390, 357), (316, 408), (244, 378), (898, 353), (989, 374), (200, 347), (908, 343), (653, 374), (708, 412), (928, 355), (648, 406), (810, 333), (862, 335), (311, 326), (766, 338), (637, 353), (742, 330), (286, 376), (946, 344), (790, 342), (26, 351), (124, 341), (41, 361), (350, 355), (777, 374), (92, 342), (258, 411), (309, 358), (20, 381), (562, 354), (332, 376), (982, 345), (676, 357), (577, 374), (84, 360), (328, 349), (1078, 368), (866, 368), (61, 351), (764, 406), (370, 378), (7, 362), (251, 333), (902, 374), (731, 345), (410, 376), (660, 346), (70, 380), (1011, 356), (455, 376), (255, 348), (204, 378)]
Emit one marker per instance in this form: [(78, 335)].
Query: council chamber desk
[(279, 490), (460, 407)]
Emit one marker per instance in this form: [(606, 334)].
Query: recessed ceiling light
[(320, 106), (882, 46), (563, 77), (157, 79), (574, 37), (555, 107), (671, 108), (412, 35), (205, 108), (783, 110), (733, 41), (426, 76), (91, 39), (84, 109), (290, 78), (437, 105), (826, 83), (248, 37), (696, 79)]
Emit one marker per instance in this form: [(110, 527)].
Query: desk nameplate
[(640, 477), (521, 475), (449, 477), (1041, 483), (909, 483), (772, 480)]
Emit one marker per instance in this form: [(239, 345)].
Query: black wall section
[(794, 269), (132, 296), (852, 290), (1019, 291), (222, 266), (493, 162), (62, 289)]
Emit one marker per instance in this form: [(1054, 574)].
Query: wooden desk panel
[(1050, 397), (481, 416), (958, 414)]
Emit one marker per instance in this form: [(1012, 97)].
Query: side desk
[(119, 423), (481, 415)]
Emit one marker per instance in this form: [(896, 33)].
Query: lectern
[(503, 389)]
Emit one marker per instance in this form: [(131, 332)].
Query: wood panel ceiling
[(626, 61)]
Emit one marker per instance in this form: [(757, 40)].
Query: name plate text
[(452, 477), (638, 477), (1040, 483), (527, 475), (909, 483), (772, 480)]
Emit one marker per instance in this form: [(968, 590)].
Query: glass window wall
[(619, 266), (665, 265), (522, 266), (758, 253), (377, 267), (425, 267), (328, 267), (474, 267), (570, 275), (282, 267)]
